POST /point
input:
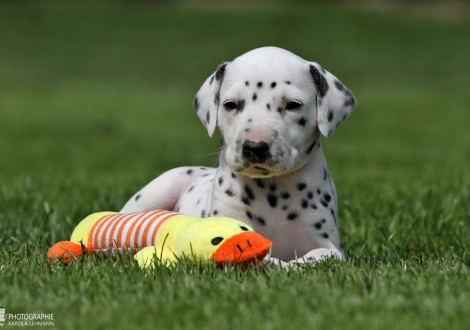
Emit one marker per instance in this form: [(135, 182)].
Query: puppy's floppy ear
[(207, 99), (334, 101)]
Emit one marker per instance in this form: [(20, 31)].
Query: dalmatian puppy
[(271, 107)]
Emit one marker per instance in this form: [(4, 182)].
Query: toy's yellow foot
[(65, 250)]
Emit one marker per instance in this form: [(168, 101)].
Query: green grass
[(95, 101)]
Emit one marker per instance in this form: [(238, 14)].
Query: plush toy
[(165, 236)]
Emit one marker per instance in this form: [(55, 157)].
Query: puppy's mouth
[(257, 171), (259, 159), (260, 170)]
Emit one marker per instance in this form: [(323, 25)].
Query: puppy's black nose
[(255, 152)]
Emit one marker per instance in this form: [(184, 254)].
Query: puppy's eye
[(293, 105), (229, 105)]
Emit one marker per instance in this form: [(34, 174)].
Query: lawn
[(95, 101)]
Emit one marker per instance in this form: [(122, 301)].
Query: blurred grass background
[(96, 100), (100, 86)]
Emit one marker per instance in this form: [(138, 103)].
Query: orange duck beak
[(244, 248)]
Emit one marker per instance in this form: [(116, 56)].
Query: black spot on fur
[(240, 105), (215, 212), (327, 197), (334, 217), (212, 80), (310, 195), (234, 176), (272, 199), (272, 187), (273, 84), (219, 74), (292, 215), (245, 200), (254, 97), (287, 82), (279, 109), (249, 215), (309, 150), (249, 192), (314, 206), (330, 116), (260, 183), (350, 102), (339, 86), (191, 189), (302, 121), (189, 172), (304, 203), (208, 117), (221, 180), (324, 235), (318, 191), (137, 197), (318, 225), (301, 186), (230, 192), (268, 107), (285, 195), (324, 203), (261, 221), (206, 175), (203, 214), (285, 207), (319, 80), (196, 103), (259, 84), (217, 98), (247, 83), (325, 174)]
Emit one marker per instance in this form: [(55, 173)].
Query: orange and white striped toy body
[(132, 231), (165, 235)]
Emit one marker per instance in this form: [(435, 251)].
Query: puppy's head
[(270, 106)]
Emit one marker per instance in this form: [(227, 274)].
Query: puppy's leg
[(163, 192), (318, 255), (311, 257)]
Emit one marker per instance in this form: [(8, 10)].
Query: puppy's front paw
[(318, 255), (275, 262)]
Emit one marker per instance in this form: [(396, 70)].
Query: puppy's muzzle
[(255, 152)]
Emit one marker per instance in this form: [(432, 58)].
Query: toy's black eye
[(244, 228), (229, 105), (293, 105), (217, 240)]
